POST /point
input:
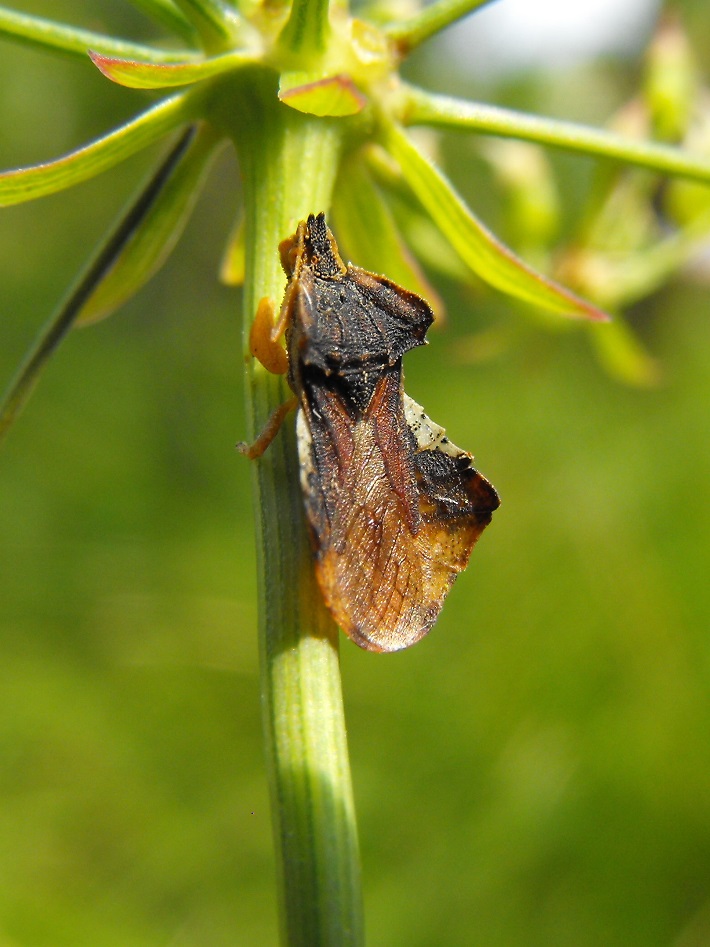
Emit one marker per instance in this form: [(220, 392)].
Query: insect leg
[(269, 432)]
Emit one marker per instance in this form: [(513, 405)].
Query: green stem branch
[(307, 28), (424, 108), (433, 18)]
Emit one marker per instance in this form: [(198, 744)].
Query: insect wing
[(393, 507), (456, 502), (396, 524)]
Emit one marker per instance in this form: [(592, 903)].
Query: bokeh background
[(536, 773)]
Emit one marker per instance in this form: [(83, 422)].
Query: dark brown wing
[(394, 512)]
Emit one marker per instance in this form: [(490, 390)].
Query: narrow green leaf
[(429, 244), (49, 339), (145, 75), (368, 234), (26, 184), (419, 230), (161, 213), (46, 34), (435, 17), (424, 108), (334, 95), (288, 163), (494, 262), (167, 14)]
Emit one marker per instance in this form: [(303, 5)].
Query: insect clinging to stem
[(393, 507)]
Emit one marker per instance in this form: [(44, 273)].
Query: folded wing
[(394, 511)]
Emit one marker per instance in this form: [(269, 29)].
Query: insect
[(393, 507)]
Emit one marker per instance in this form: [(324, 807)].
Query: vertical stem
[(307, 26), (288, 163)]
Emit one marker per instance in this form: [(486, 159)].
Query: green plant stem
[(433, 18), (288, 162), (307, 27), (424, 108)]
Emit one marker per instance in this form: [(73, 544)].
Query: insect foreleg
[(265, 339)]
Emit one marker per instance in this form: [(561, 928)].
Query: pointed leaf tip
[(136, 74), (493, 261), (335, 96)]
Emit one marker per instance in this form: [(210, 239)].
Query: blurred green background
[(535, 773)]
